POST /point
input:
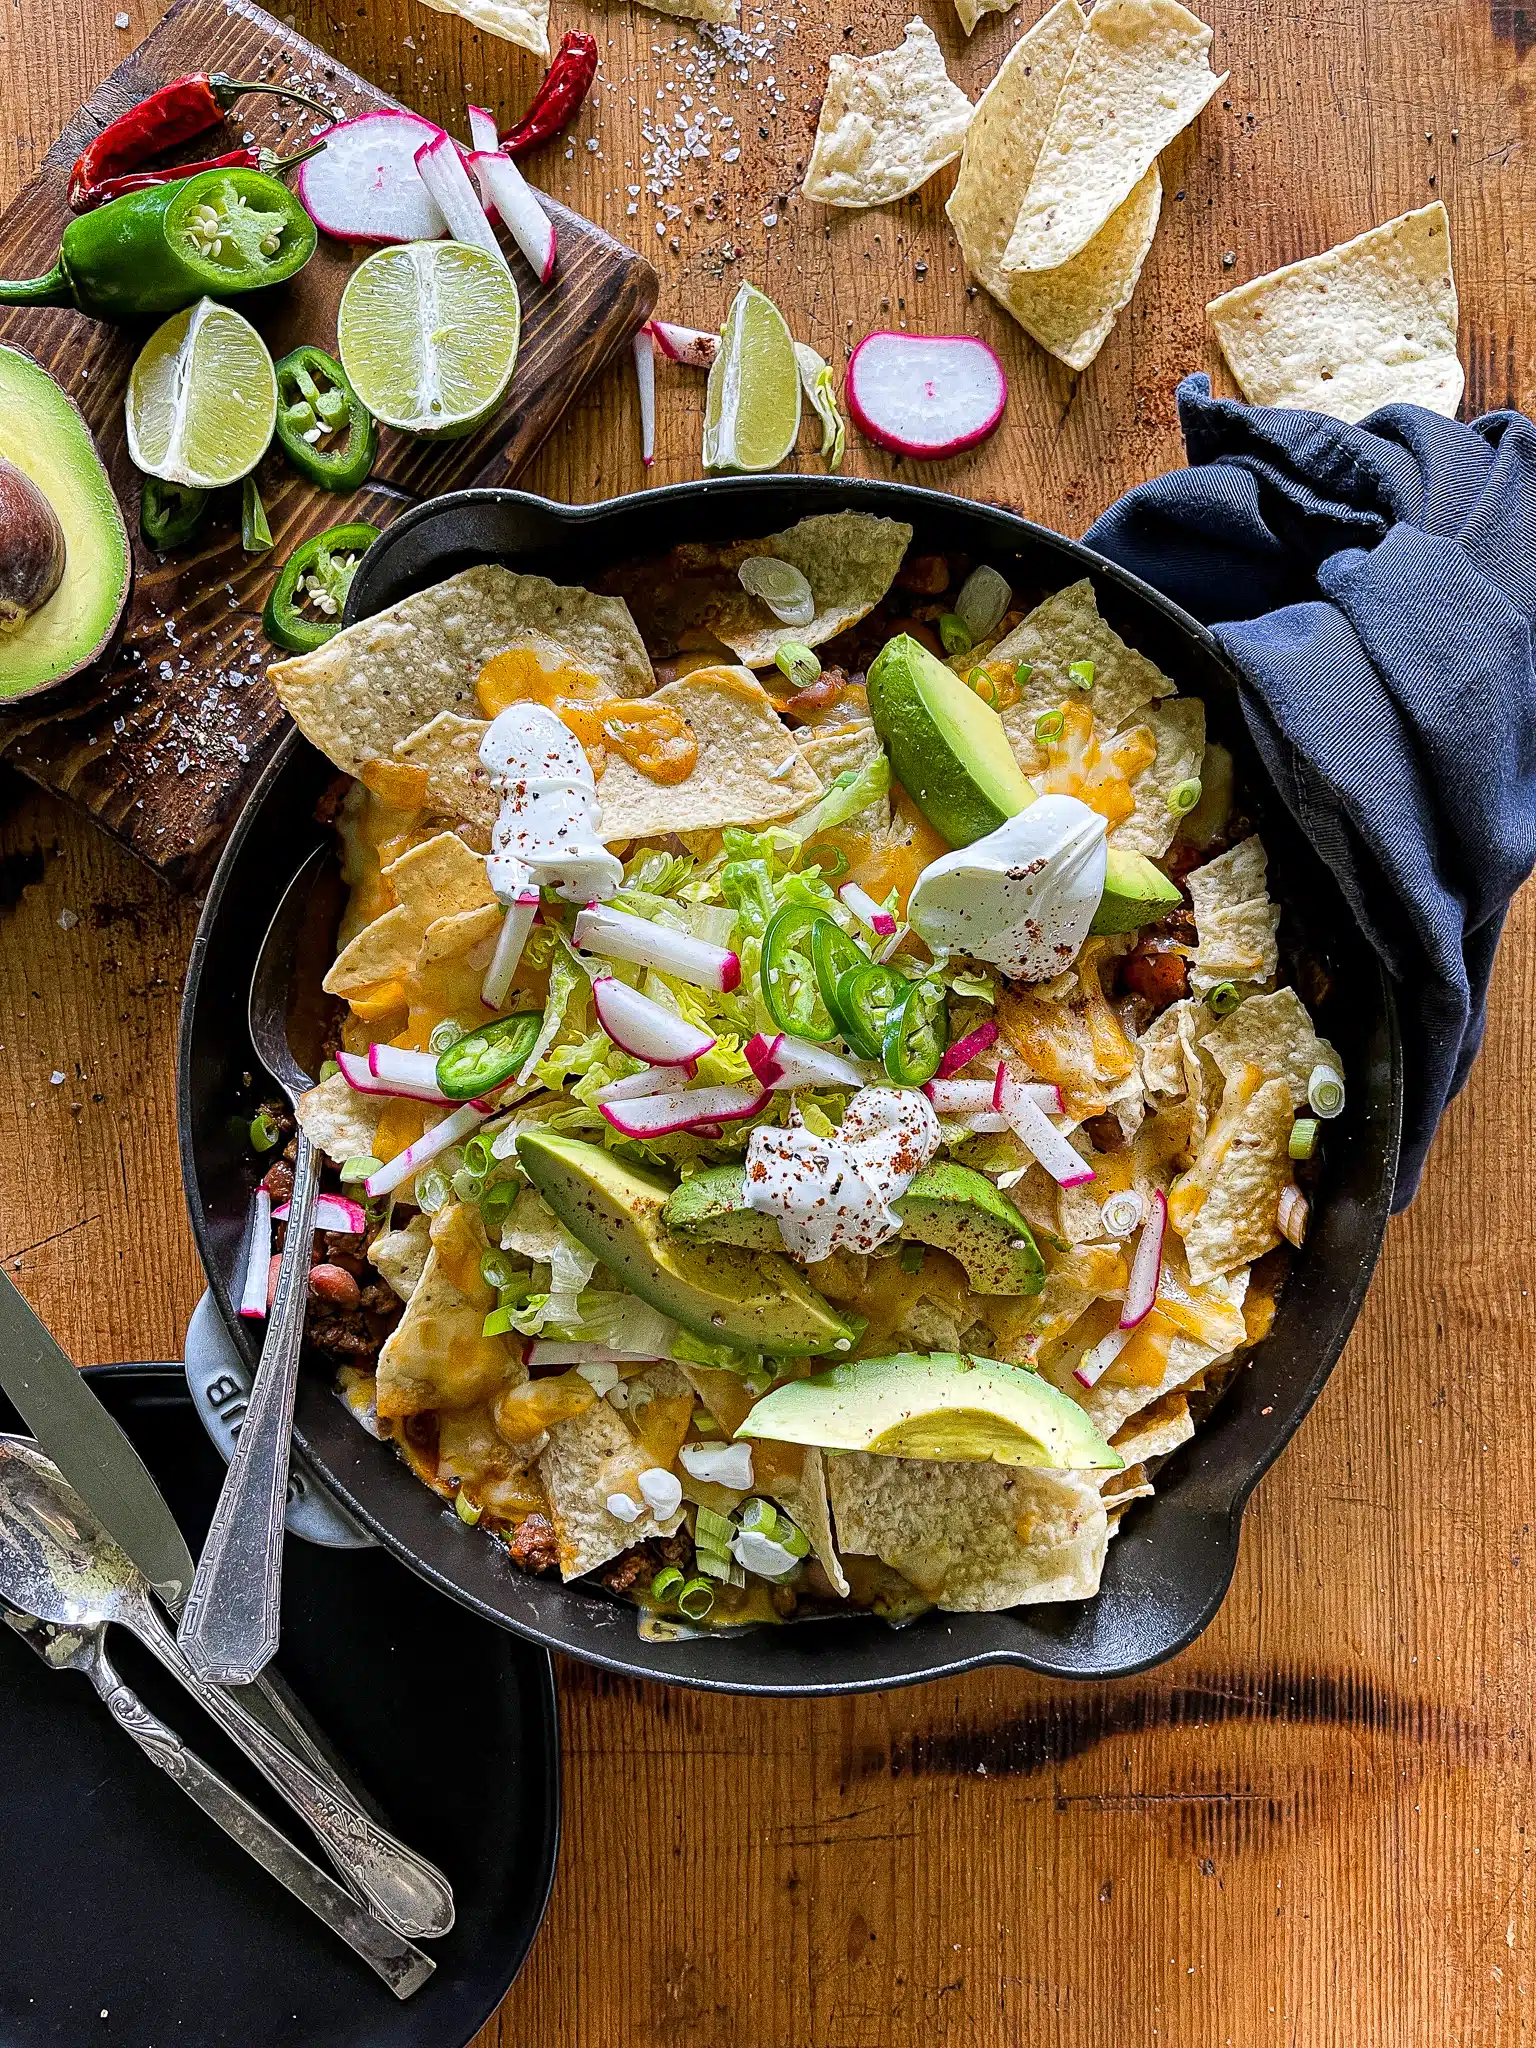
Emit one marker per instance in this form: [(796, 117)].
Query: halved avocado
[(58, 628), (753, 1301), (943, 1405), (953, 1208), (948, 750)]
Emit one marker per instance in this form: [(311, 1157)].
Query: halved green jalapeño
[(863, 1002), (791, 989), (916, 1034), (483, 1059)]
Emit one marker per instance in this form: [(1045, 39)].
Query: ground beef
[(532, 1545), (640, 1565), (278, 1182)]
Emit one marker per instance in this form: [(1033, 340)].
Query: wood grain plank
[(1314, 1830)]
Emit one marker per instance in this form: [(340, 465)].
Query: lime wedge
[(202, 399), (752, 409), (428, 334)]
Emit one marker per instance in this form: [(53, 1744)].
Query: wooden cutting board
[(164, 742)]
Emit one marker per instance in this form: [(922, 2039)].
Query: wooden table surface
[(1316, 1826)]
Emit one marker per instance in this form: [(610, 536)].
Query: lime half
[(428, 334), (202, 399), (752, 409)]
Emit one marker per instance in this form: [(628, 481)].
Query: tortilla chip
[(1069, 310), (382, 951), (1158, 1430), (1236, 876), (749, 769), (587, 1458), (439, 878), (849, 559), (1369, 323), (435, 1357), (448, 749), (1235, 1223), (531, 1228), (524, 22), (1118, 1396), (400, 1256), (338, 1121), (1139, 74), (1159, 1053), (888, 122), (1275, 1034), (1178, 730), (1119, 1489), (972, 1538), (457, 937), (1238, 944), (375, 683), (971, 11), (844, 750), (695, 10), (1068, 628), (493, 1473)]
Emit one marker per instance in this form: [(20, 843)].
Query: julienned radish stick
[(530, 226), (929, 395), (620, 935), (1029, 1122), (690, 345), (443, 173), (362, 1074), (645, 377), (258, 1257), (482, 129), (427, 1146), (653, 1116), (510, 941)]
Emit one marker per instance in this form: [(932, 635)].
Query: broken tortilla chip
[(748, 771), (888, 122), (447, 749), (1234, 918), (842, 751), (1068, 628), (439, 878), (523, 22), (381, 680), (1159, 1429), (400, 1256), (435, 1356), (1071, 309), (382, 951), (849, 559), (1274, 1034), (973, 1538), (1242, 1168), (1178, 731), (589, 1457), (1369, 323), (339, 1121), (971, 11), (1140, 74), (492, 1473), (1236, 876)]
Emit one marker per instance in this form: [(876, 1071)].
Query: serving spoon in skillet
[(230, 1625)]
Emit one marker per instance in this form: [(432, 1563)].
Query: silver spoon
[(59, 1565), (403, 1968), (230, 1625)]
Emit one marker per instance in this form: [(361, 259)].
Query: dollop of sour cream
[(547, 829), (830, 1194), (1023, 897)]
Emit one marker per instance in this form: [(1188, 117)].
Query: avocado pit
[(31, 548)]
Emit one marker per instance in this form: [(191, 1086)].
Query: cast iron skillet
[(1169, 1568)]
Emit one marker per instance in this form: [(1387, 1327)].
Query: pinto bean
[(335, 1286)]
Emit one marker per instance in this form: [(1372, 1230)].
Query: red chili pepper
[(237, 160), (173, 115), (565, 86)]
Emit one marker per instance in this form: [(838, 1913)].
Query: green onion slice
[(1325, 1090), (1223, 999), (797, 662), (466, 1509), (695, 1599), (1049, 726), (264, 1131), (1183, 797), (1081, 673), (668, 1581), (355, 1170), (443, 1034), (1303, 1137), (780, 586), (955, 634), (760, 1516)]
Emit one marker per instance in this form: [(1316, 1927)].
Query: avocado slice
[(754, 1301), (948, 750), (953, 1208), (959, 1211), (1135, 893), (944, 1405), (57, 628)]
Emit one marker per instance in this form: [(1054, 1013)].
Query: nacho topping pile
[(816, 1144)]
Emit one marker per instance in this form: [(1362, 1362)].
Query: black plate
[(1169, 1568), (129, 1917)]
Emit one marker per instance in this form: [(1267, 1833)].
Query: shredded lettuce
[(567, 976), (851, 793)]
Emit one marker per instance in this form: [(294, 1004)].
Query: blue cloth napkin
[(1376, 586)]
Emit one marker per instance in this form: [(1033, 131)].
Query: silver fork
[(230, 1625), (402, 1966)]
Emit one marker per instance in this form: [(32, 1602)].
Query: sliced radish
[(426, 1147), (1031, 1125), (332, 1212), (482, 129), (690, 345), (521, 214), (442, 172), (412, 1073), (513, 936), (785, 1062), (649, 1081), (364, 185), (646, 1030), (966, 1049), (867, 910), (925, 394), (645, 377), (360, 1074), (653, 1116), (1147, 1266), (619, 935), (1097, 1362), (258, 1257)]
